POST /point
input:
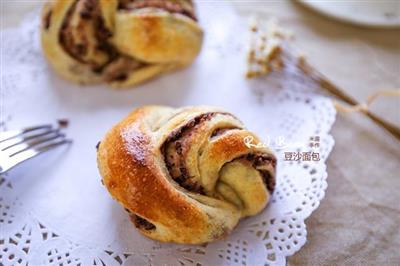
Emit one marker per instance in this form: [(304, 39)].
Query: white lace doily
[(53, 208)]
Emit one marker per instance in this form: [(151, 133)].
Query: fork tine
[(54, 145), (25, 139), (7, 135), (23, 146), (29, 153), (28, 129)]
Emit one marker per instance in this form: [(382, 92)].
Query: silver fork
[(17, 146)]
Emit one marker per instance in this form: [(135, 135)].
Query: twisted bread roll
[(121, 42), (185, 175)]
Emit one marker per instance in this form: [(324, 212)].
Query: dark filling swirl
[(73, 35), (263, 163), (84, 19), (174, 147), (142, 223), (173, 153)]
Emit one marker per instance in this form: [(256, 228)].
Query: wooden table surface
[(358, 221)]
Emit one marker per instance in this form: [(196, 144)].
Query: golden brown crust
[(131, 160), (82, 39), (157, 36)]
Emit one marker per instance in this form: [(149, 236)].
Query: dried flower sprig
[(270, 51)]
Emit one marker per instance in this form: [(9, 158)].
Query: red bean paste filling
[(174, 7), (173, 152), (173, 156), (221, 131), (141, 223), (116, 67), (261, 162), (47, 19)]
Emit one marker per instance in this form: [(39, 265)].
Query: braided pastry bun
[(121, 42), (185, 175)]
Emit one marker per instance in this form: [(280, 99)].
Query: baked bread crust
[(185, 175), (120, 42)]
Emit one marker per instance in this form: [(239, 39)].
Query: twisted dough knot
[(121, 42), (185, 175)]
